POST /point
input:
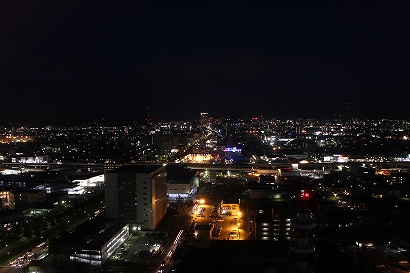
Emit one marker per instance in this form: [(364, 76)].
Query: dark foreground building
[(234, 256)]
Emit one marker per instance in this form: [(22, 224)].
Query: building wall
[(277, 229), (14, 200), (182, 187), (159, 198), (272, 225), (111, 196), (175, 189), (144, 200), (137, 197), (37, 196), (20, 198)]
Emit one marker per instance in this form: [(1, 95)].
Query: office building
[(137, 193)]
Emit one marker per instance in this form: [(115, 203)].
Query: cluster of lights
[(178, 237), (233, 150), (11, 139), (198, 158), (22, 260)]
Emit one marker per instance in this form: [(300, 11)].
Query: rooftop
[(178, 173), (91, 234), (137, 168)]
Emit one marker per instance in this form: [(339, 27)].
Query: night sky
[(82, 60)]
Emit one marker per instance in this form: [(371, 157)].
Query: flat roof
[(179, 182), (92, 234), (180, 172), (137, 168)]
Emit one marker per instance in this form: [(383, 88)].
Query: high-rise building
[(137, 193)]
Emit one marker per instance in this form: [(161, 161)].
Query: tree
[(27, 231)]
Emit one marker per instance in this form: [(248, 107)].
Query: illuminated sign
[(233, 149)]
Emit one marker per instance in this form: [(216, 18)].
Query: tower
[(148, 119), (302, 245)]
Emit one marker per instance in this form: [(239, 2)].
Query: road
[(387, 259), (178, 224)]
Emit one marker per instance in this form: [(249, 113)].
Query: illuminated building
[(270, 220), (7, 199), (92, 242), (137, 193), (30, 159), (198, 158), (294, 171), (109, 166), (14, 139), (182, 182), (16, 198), (90, 180)]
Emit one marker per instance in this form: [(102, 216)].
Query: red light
[(306, 194)]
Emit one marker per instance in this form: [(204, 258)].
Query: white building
[(92, 242), (90, 181), (182, 182)]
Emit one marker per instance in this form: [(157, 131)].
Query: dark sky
[(82, 60)]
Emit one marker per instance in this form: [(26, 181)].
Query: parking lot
[(228, 220)]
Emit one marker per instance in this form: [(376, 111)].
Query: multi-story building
[(268, 227), (17, 198), (7, 199), (182, 181), (269, 219), (137, 193), (92, 242)]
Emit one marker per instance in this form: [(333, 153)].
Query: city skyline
[(82, 61), (211, 195)]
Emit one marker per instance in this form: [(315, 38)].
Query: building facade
[(92, 242), (137, 193), (182, 182)]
